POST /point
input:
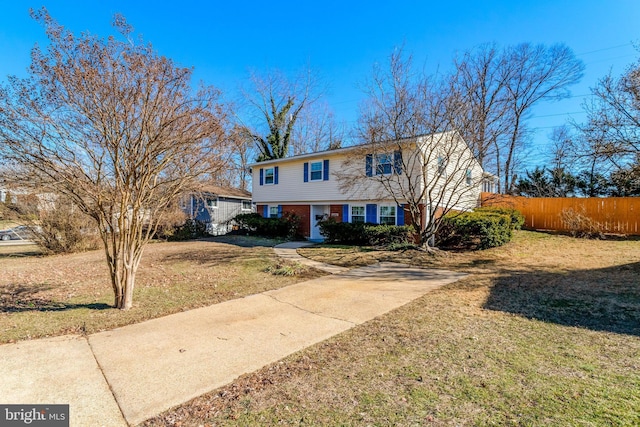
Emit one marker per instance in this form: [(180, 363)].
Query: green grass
[(544, 331)]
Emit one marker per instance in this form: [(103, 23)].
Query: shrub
[(517, 219), (580, 225), (284, 268), (366, 234), (191, 229), (343, 232), (59, 227), (389, 235), (475, 229), (254, 224)]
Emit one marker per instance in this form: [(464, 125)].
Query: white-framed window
[(184, 201), (357, 214), (384, 164), (315, 174), (273, 212), (269, 176), (246, 205), (388, 215), (468, 177), (442, 165), (212, 202)]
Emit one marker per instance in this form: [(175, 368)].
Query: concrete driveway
[(127, 375)]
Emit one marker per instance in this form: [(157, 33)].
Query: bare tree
[(239, 152), (317, 130), (479, 76), (612, 130), (277, 103), (534, 73), (500, 88), (563, 149), (115, 128), (412, 149)]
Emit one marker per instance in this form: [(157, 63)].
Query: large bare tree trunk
[(124, 298)]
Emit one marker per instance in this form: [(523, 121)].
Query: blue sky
[(342, 40)]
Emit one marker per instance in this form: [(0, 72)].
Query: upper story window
[(316, 171), (384, 163), (246, 205), (269, 176), (442, 165)]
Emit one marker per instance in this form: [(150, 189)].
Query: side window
[(442, 165), (246, 205), (468, 177), (212, 203)]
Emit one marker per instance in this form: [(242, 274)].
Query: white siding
[(292, 188)]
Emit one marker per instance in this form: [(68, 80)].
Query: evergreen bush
[(517, 219), (481, 230)]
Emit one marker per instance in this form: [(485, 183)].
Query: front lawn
[(54, 295), (544, 331)]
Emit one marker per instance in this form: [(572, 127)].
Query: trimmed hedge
[(517, 219), (343, 232), (482, 230), (390, 236), (255, 224)]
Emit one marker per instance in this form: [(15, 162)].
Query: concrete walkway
[(289, 250), (127, 375)]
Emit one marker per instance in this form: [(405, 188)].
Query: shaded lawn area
[(54, 295), (544, 331)]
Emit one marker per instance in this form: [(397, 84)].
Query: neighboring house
[(312, 186), (38, 200), (216, 207)]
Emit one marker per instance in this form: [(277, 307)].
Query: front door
[(318, 213)]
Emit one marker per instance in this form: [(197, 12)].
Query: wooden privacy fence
[(620, 215)]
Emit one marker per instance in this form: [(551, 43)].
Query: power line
[(557, 114), (605, 49), (609, 59)]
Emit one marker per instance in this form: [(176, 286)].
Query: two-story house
[(354, 184)]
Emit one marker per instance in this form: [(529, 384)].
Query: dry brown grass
[(544, 331), (45, 296)]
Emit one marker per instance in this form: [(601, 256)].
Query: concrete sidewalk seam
[(106, 380), (315, 313)]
